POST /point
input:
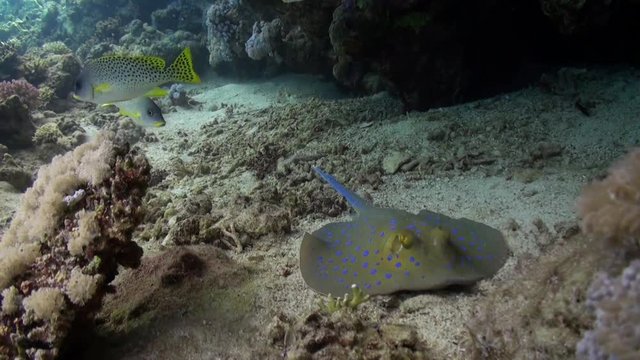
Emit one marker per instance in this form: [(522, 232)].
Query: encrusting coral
[(610, 210), (71, 232)]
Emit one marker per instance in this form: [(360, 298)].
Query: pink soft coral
[(28, 93), (610, 208)]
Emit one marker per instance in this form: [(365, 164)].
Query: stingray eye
[(406, 238)]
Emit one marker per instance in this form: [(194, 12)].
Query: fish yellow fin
[(157, 92), (132, 114), (102, 88), (182, 69)]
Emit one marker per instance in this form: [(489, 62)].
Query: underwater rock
[(392, 162), (61, 76), (15, 174), (228, 25), (9, 61), (16, 125), (265, 40), (184, 16)]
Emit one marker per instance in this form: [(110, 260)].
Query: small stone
[(392, 162)]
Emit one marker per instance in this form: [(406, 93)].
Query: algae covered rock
[(16, 125)]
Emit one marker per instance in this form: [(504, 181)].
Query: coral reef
[(610, 208), (71, 232), (264, 40), (8, 60), (615, 301), (229, 24), (28, 94), (58, 136)]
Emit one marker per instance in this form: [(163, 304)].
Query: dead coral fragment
[(344, 335), (348, 301), (610, 208)]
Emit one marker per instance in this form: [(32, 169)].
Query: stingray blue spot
[(411, 227), (377, 252), (330, 261), (343, 231), (337, 242), (329, 234), (398, 265), (381, 233), (345, 272), (373, 272), (412, 259), (365, 253), (417, 263), (367, 286), (387, 275), (345, 260), (460, 238), (355, 274), (378, 283), (320, 259), (336, 268), (341, 280), (389, 258), (358, 248), (348, 243), (406, 273), (454, 231), (352, 258), (339, 253), (365, 265)]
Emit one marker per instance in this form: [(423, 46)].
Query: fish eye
[(78, 85), (150, 112)]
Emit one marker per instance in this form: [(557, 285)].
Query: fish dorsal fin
[(157, 92), (352, 198), (181, 70), (153, 61)]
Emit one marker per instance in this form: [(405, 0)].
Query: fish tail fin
[(352, 198), (182, 69)]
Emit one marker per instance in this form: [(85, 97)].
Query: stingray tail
[(352, 198)]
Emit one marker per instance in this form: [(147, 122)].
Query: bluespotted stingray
[(387, 250)]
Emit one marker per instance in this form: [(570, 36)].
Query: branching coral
[(71, 232), (610, 208), (28, 93)]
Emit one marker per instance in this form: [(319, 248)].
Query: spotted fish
[(387, 250), (115, 78)]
